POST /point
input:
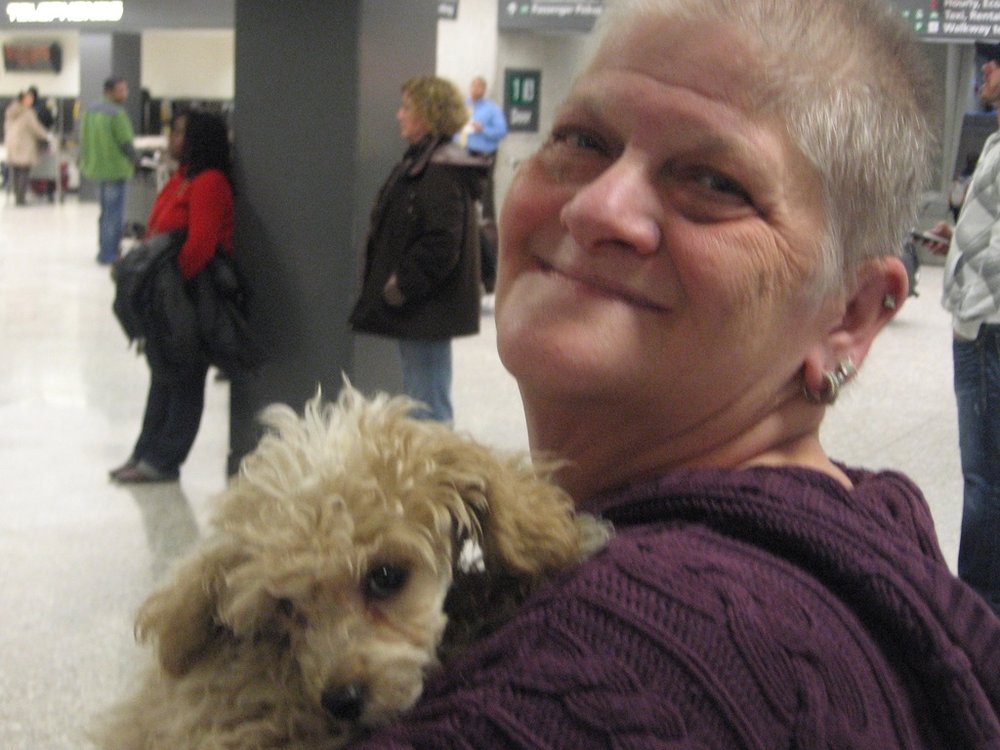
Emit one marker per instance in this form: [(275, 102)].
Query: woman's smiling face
[(660, 250)]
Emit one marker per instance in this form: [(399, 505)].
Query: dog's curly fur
[(315, 607)]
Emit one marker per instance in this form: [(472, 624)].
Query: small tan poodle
[(317, 605)]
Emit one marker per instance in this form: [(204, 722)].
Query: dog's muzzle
[(345, 702)]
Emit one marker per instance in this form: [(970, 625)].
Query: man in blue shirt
[(486, 128)]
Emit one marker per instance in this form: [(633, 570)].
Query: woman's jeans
[(112, 220), (173, 413), (427, 376), (977, 391)]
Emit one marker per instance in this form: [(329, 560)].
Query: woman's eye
[(719, 183), (384, 581), (707, 195), (578, 139)]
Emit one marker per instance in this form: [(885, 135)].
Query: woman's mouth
[(597, 285)]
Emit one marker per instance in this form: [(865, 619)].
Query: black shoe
[(143, 473), (130, 464)]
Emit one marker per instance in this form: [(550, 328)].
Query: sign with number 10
[(522, 89)]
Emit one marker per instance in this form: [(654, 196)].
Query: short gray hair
[(854, 90)]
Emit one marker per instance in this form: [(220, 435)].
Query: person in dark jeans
[(421, 276), (972, 296), (108, 157), (198, 198), (487, 126)]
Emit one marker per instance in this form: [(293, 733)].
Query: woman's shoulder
[(211, 177), (682, 565), (678, 583), (453, 154), (212, 181), (17, 112), (663, 634)]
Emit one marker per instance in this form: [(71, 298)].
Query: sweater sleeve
[(673, 637), (36, 127), (540, 685), (124, 135), (587, 663), (209, 220)]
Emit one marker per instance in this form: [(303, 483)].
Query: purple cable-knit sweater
[(758, 608)]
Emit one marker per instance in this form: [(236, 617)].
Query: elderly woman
[(692, 267), (421, 278)]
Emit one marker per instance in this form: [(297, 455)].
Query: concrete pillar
[(316, 91)]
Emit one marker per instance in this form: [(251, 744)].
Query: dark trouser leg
[(22, 178), (488, 255), (173, 415), (489, 205), (154, 417), (977, 390), (488, 238)]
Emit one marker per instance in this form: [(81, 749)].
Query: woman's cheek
[(529, 204)]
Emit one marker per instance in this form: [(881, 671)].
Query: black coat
[(185, 324), (424, 229)]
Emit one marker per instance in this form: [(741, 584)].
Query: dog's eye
[(286, 607), (384, 581)]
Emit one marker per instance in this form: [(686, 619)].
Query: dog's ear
[(528, 524), (181, 617)]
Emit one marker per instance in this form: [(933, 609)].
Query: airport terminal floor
[(78, 553)]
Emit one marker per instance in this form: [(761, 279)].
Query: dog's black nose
[(345, 702)]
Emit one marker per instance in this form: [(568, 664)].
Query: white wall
[(471, 45), (64, 83), (467, 46), (187, 64), (190, 64)]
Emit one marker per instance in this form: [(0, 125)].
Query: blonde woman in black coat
[(421, 277)]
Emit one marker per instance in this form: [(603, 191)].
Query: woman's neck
[(787, 435)]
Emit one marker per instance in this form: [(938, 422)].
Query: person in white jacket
[(22, 135), (972, 296)]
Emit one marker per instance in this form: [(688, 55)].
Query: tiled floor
[(78, 554)]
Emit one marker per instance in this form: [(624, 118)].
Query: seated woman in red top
[(199, 199)]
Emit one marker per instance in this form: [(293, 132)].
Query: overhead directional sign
[(952, 20), (448, 10), (548, 15)]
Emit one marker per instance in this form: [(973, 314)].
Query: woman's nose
[(618, 207)]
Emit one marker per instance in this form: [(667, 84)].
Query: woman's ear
[(879, 289)]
